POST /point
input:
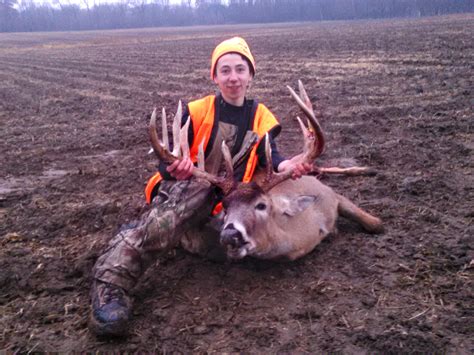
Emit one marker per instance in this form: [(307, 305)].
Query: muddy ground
[(396, 95)]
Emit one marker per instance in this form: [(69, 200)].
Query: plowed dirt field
[(397, 95)]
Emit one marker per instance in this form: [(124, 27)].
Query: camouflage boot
[(111, 309)]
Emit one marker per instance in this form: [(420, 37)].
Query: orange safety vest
[(202, 115)]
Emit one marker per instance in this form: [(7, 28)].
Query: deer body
[(302, 218), (298, 215)]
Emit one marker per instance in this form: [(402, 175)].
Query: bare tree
[(7, 14)]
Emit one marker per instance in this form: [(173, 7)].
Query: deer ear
[(298, 204)]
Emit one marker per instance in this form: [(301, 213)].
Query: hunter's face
[(233, 77)]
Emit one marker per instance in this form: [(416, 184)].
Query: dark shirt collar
[(224, 104)]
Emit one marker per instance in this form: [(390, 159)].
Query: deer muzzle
[(232, 237)]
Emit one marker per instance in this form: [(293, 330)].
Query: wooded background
[(63, 15)]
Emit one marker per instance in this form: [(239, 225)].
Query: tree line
[(26, 15)]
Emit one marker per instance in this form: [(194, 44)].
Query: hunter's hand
[(299, 169), (181, 169)]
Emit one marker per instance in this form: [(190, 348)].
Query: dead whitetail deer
[(273, 217)]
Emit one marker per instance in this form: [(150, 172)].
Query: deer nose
[(231, 236)]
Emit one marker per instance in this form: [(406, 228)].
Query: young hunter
[(181, 204)]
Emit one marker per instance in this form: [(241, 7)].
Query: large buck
[(273, 217)]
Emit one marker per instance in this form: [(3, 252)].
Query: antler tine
[(303, 127), (272, 179), (308, 145), (304, 95), (268, 156), (307, 102), (314, 123), (160, 151), (229, 169), (176, 131), (183, 138), (164, 130), (201, 164)]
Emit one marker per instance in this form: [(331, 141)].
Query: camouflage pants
[(180, 214)]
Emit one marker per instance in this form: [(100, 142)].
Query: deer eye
[(261, 206)]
